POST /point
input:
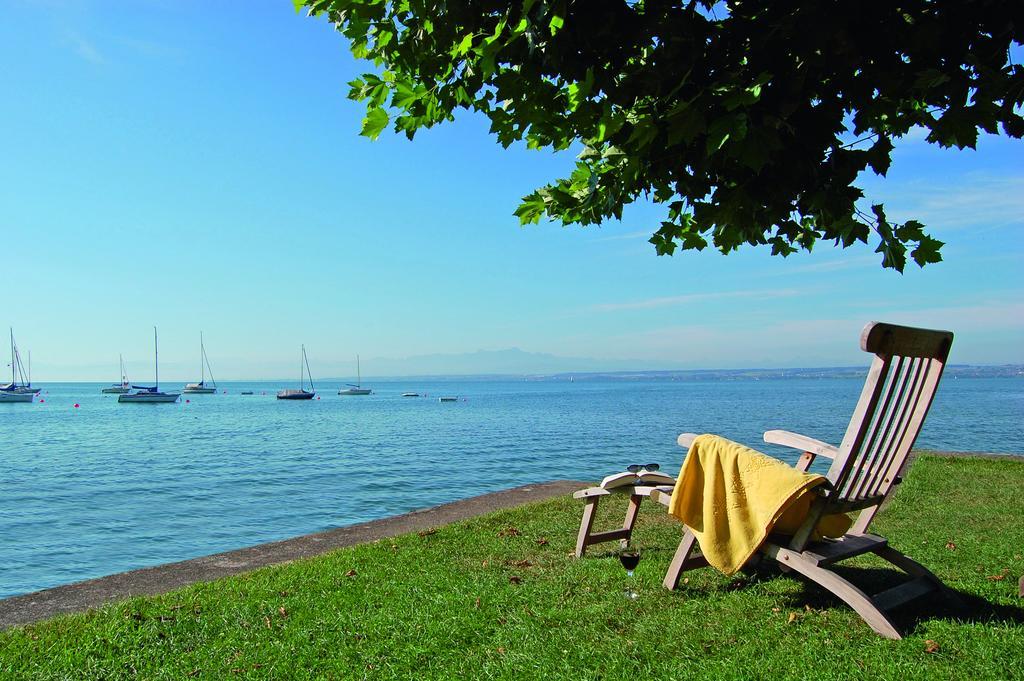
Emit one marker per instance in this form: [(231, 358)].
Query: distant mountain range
[(544, 366)]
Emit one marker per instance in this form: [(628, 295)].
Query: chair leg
[(675, 569), (851, 595), (632, 511), (915, 569), (583, 538)]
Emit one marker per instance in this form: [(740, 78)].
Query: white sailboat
[(17, 391), (150, 395), (201, 388), (125, 386), (301, 393), (358, 388)]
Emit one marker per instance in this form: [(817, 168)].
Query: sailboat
[(143, 394), (125, 386), (204, 364), (358, 388), (301, 393), (17, 391)]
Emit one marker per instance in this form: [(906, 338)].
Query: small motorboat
[(447, 399), (410, 394), (247, 392)]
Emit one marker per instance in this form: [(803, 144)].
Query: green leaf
[(375, 122), (556, 24), (531, 208), (463, 47), (927, 251)]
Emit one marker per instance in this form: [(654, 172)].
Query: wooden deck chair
[(865, 468)]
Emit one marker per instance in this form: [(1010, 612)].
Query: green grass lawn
[(501, 596)]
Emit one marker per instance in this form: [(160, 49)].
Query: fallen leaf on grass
[(195, 672), (282, 612), (997, 578), (266, 621), (792, 618), (951, 546), (515, 579), (541, 542), (476, 604), (520, 563), (427, 533), (501, 651), (350, 573), (931, 646), (510, 532)]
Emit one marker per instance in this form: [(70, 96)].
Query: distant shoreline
[(953, 370)]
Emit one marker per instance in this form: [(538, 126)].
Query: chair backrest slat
[(896, 397), (907, 397), (875, 444), (930, 380)]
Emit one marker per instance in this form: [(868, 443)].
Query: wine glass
[(629, 556)]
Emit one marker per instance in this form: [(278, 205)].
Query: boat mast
[(207, 361), (302, 384), (156, 361), (308, 372), (359, 374), (202, 354), (14, 377)]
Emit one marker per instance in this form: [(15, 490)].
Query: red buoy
[(76, 405)]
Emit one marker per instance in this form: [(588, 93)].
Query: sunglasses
[(636, 467)]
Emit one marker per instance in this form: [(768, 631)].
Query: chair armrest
[(801, 442), (686, 439)]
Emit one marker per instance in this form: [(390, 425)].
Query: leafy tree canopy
[(749, 121)]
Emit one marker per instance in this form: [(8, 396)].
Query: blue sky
[(198, 166)]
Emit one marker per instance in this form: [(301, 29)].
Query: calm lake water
[(109, 487)]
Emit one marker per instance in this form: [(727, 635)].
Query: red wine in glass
[(630, 558)]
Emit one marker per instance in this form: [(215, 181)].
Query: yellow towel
[(732, 497)]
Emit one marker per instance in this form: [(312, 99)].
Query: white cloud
[(974, 200), (670, 301), (628, 236), (84, 49)]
